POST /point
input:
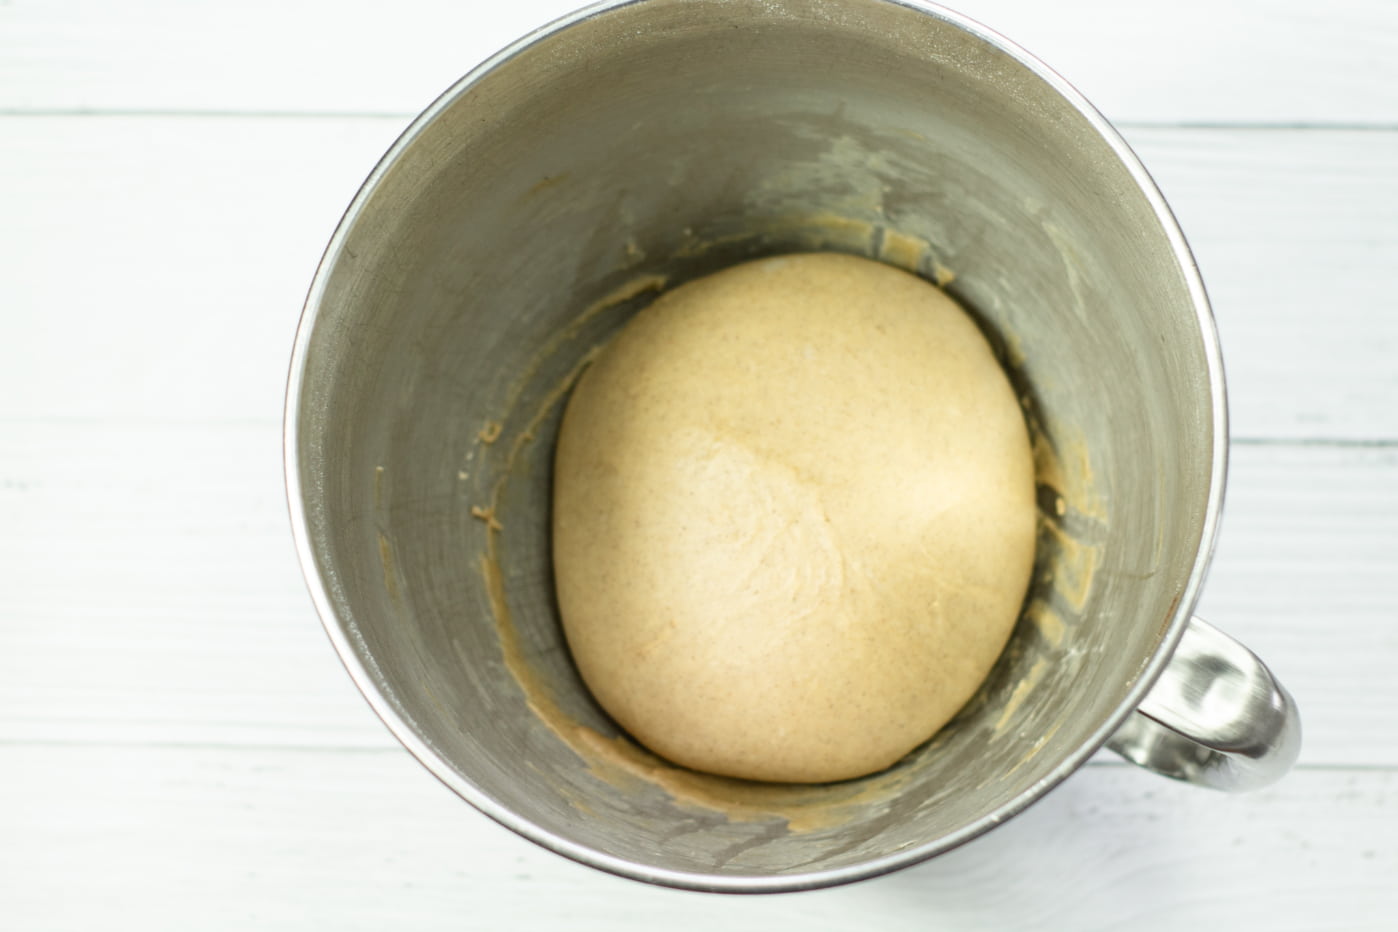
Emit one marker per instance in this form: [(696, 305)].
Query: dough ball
[(793, 518)]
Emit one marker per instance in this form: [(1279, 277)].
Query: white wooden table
[(180, 748)]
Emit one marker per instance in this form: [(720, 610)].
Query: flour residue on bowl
[(1026, 684), (1072, 518), (616, 759), (1067, 498), (822, 230)]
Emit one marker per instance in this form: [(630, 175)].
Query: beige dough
[(793, 518)]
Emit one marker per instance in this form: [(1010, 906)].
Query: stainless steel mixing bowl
[(666, 138)]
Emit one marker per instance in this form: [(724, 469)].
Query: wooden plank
[(1296, 234), (189, 244), (345, 840), (152, 595), (1306, 574), (303, 56), (159, 265), (1191, 60)]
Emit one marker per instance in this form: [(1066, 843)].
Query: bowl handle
[(1216, 717)]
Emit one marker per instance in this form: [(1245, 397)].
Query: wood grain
[(229, 839), (197, 239), (1213, 61)]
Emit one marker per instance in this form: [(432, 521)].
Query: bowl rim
[(345, 647)]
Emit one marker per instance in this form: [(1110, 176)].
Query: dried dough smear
[(793, 518)]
